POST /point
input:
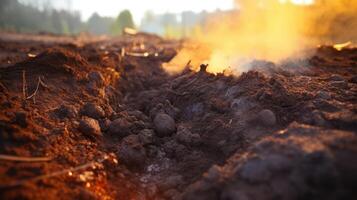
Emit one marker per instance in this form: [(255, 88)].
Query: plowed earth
[(107, 122)]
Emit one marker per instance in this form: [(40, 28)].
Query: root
[(24, 159), (39, 82), (92, 164)]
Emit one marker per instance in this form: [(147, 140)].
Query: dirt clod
[(90, 127), (164, 125), (120, 127), (66, 111), (92, 110), (131, 152), (267, 117)]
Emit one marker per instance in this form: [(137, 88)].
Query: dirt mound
[(296, 163)]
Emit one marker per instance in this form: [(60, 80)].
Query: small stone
[(93, 111), (164, 125), (267, 117), (96, 77), (120, 127), (66, 111), (89, 127)]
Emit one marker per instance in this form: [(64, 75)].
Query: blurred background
[(173, 19)]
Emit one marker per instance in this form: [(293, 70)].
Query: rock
[(93, 111), (131, 152), (120, 127), (164, 125), (96, 77), (267, 117), (66, 111), (185, 136), (89, 127), (20, 119)]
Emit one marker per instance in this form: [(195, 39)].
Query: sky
[(138, 7)]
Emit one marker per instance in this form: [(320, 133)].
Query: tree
[(99, 25), (124, 20)]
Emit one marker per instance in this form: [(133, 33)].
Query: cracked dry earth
[(109, 123)]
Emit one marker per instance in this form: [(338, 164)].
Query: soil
[(110, 123)]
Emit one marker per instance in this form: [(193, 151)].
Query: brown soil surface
[(110, 123)]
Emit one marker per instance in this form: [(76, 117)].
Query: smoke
[(271, 30)]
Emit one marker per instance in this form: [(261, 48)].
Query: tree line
[(15, 16)]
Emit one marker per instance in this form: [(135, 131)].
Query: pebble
[(164, 125), (89, 127), (267, 117), (92, 110)]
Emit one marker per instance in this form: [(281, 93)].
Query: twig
[(56, 173), (24, 85), (24, 159), (134, 54), (39, 82)]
